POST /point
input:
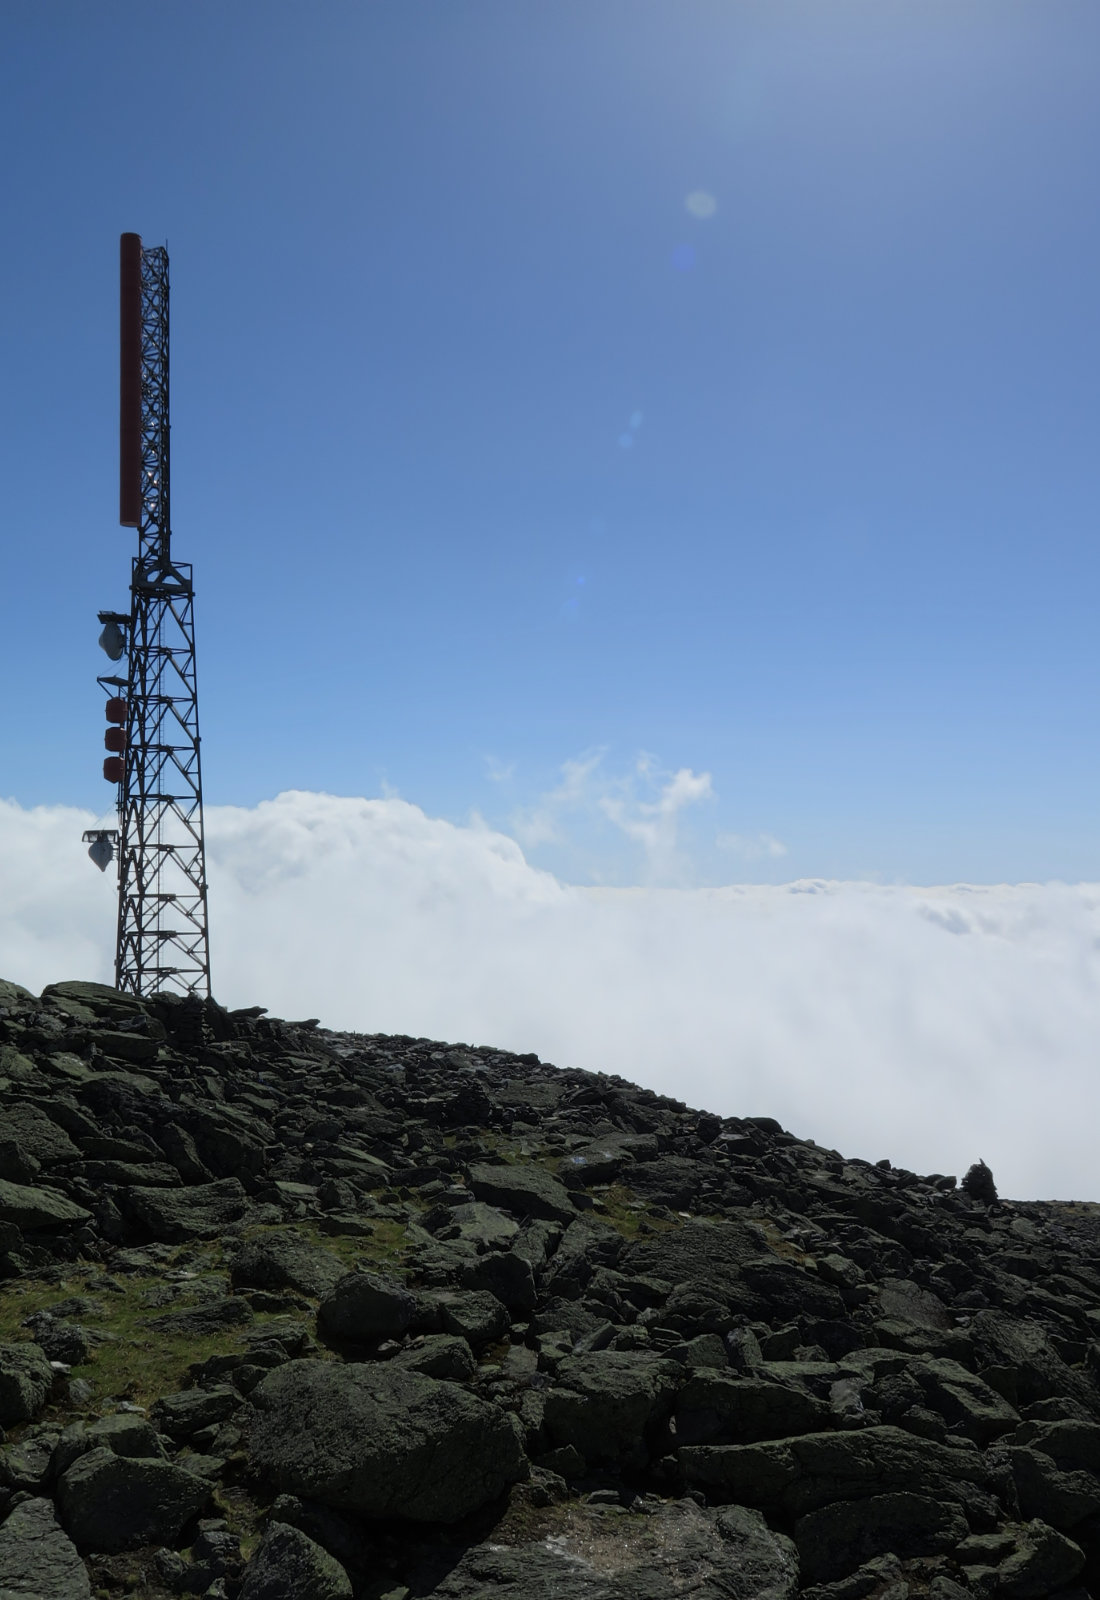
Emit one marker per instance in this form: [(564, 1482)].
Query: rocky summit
[(291, 1314)]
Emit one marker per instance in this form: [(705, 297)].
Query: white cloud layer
[(932, 1026), (587, 791)]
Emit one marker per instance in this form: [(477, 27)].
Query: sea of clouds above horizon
[(928, 1025)]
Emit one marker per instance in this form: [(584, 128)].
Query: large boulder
[(121, 1431), (716, 1407), (228, 1139), (382, 1442), (199, 1211), (486, 1227), (476, 1316), (1068, 1442), (965, 1401), (525, 1190), (837, 1539), (606, 1402), (796, 1476), (678, 1550), (38, 1210), (77, 995), (38, 1560), (25, 1382), (1024, 1347), (282, 1259), (1062, 1499), (1043, 1561), (713, 1253), (38, 1135), (290, 1564), (788, 1290), (364, 1306), (440, 1355), (109, 1501), (507, 1274), (182, 1415)]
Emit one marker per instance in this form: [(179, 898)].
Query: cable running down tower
[(153, 713)]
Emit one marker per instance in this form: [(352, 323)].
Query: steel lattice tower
[(162, 911)]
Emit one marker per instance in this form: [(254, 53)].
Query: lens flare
[(700, 204)]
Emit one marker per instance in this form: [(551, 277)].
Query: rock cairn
[(288, 1314)]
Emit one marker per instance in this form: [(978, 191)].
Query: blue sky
[(495, 459)]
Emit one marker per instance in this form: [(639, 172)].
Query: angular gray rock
[(25, 1382), (382, 1442), (199, 1211), (364, 1305), (819, 1469), (839, 1538), (1043, 1562), (38, 1560), (716, 1407), (32, 1208), (484, 1226), (183, 1415), (439, 1355), (707, 1252), (604, 1403), (289, 1566), (1062, 1499), (108, 1502), (125, 1434), (673, 1550), (965, 1401), (476, 1316), (525, 1190), (39, 1135), (507, 1274), (282, 1259)]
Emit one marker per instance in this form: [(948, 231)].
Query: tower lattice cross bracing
[(153, 712)]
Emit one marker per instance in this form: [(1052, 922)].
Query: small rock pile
[(288, 1314)]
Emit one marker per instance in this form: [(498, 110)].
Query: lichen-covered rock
[(34, 1209), (476, 1316), (486, 1227), (670, 1550), (439, 1355), (1042, 1562), (716, 1407), (837, 1539), (364, 1305), (38, 1560), (524, 1190), (108, 1502), (288, 1564), (1062, 1499), (819, 1469), (25, 1381), (603, 1404), (39, 1135), (183, 1415), (282, 1259), (382, 1442), (122, 1432), (199, 1211)]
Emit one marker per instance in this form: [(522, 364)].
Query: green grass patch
[(135, 1361), (383, 1247), (626, 1218)]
